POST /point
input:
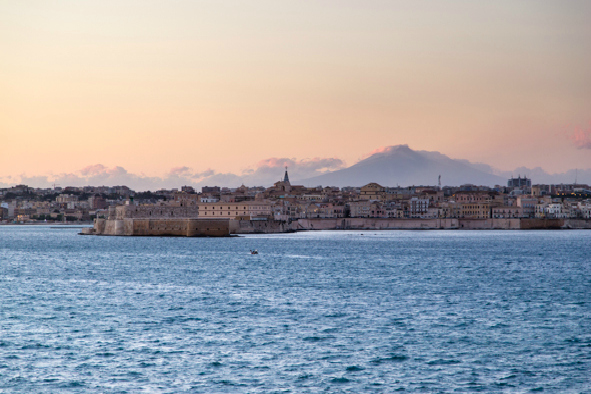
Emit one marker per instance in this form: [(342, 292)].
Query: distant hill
[(400, 165)]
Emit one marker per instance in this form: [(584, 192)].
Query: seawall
[(417, 224), (225, 227), (186, 227), (161, 227)]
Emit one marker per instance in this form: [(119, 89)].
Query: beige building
[(506, 212), (473, 196), (372, 191), (360, 209), (528, 205), (156, 211), (467, 210), (475, 210), (66, 198), (232, 210)]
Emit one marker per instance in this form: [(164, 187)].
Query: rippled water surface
[(412, 311)]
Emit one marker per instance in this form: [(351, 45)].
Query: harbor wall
[(261, 226), (161, 227), (417, 224), (374, 224), (224, 227), (577, 223)]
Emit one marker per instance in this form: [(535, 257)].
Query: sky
[(157, 90)]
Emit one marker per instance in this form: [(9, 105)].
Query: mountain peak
[(385, 151), (400, 165), (390, 149)]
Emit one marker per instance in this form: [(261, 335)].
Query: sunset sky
[(163, 88)]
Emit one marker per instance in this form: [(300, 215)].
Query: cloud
[(188, 173), (580, 138), (179, 171), (204, 174), (263, 173), (385, 151), (268, 171), (315, 164), (271, 170), (95, 175), (96, 169)]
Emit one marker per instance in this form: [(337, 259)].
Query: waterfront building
[(555, 210), (417, 207), (360, 209), (233, 210), (507, 212), (527, 204), (154, 211), (475, 210)]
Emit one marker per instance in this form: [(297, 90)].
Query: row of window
[(251, 208)]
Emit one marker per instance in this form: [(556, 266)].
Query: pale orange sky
[(154, 85)]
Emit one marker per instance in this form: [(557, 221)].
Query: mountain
[(400, 165)]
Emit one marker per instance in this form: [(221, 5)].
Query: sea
[(450, 311)]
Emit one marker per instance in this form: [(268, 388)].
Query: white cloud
[(264, 173)]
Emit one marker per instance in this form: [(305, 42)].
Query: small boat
[(254, 252)]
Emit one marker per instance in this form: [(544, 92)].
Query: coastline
[(187, 227)]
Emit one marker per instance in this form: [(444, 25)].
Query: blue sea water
[(332, 311)]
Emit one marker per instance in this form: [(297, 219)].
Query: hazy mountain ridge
[(402, 166)]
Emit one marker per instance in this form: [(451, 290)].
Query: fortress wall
[(260, 227), (208, 227), (99, 225), (234, 226), (111, 227), (160, 227), (163, 227)]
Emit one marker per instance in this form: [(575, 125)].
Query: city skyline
[(154, 91)]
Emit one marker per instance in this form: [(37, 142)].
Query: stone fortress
[(186, 220), (158, 221)]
